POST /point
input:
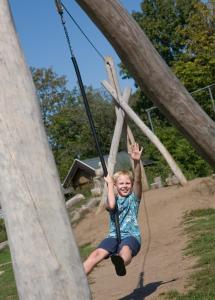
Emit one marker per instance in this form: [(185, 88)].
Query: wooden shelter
[(82, 172)]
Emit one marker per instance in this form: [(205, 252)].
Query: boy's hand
[(108, 179), (136, 151)]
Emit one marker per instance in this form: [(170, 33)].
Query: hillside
[(161, 258)]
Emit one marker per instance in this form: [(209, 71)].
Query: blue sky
[(44, 45)]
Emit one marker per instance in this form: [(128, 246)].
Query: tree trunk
[(45, 257), (152, 74)]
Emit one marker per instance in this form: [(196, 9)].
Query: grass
[(200, 225), (85, 250), (8, 289), (7, 282)]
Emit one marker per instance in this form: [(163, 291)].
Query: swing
[(116, 259)]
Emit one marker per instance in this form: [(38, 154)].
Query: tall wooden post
[(45, 257), (113, 80), (152, 74)]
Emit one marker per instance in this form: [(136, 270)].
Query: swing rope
[(87, 108), (81, 30)]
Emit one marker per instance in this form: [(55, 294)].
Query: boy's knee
[(126, 250), (126, 254), (98, 254)]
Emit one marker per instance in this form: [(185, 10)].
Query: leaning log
[(152, 74), (45, 257), (148, 133)]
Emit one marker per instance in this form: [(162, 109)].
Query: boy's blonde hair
[(123, 172)]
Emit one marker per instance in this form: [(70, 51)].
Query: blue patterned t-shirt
[(128, 211)]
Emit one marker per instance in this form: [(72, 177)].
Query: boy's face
[(123, 185)]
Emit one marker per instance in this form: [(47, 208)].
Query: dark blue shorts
[(111, 245)]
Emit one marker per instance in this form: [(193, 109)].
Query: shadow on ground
[(143, 291)]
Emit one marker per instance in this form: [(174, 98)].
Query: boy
[(129, 191)]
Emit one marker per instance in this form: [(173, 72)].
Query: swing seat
[(119, 265)]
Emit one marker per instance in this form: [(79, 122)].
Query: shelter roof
[(92, 164)]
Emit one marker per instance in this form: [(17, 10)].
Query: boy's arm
[(111, 202), (135, 155), (137, 187)]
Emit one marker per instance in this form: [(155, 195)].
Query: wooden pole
[(113, 80), (152, 137), (152, 74), (45, 257)]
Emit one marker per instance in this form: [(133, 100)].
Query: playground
[(176, 260), (161, 265)]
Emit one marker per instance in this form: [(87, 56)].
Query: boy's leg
[(94, 258), (126, 254), (129, 248)]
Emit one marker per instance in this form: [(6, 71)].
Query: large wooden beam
[(45, 257), (152, 74)]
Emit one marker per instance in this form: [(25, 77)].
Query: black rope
[(84, 34), (87, 108)]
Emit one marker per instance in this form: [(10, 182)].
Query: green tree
[(196, 65), (160, 20), (66, 122), (183, 33), (70, 131), (51, 90), (191, 164), (163, 22)]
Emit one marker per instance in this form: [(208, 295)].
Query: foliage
[(183, 33), (196, 66), (191, 164), (7, 281), (51, 90), (70, 131), (200, 228), (66, 121), (85, 251), (160, 20), (3, 234)]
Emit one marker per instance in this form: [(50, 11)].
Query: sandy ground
[(161, 265)]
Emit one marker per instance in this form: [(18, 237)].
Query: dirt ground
[(160, 266)]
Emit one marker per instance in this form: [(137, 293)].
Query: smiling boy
[(129, 191)]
